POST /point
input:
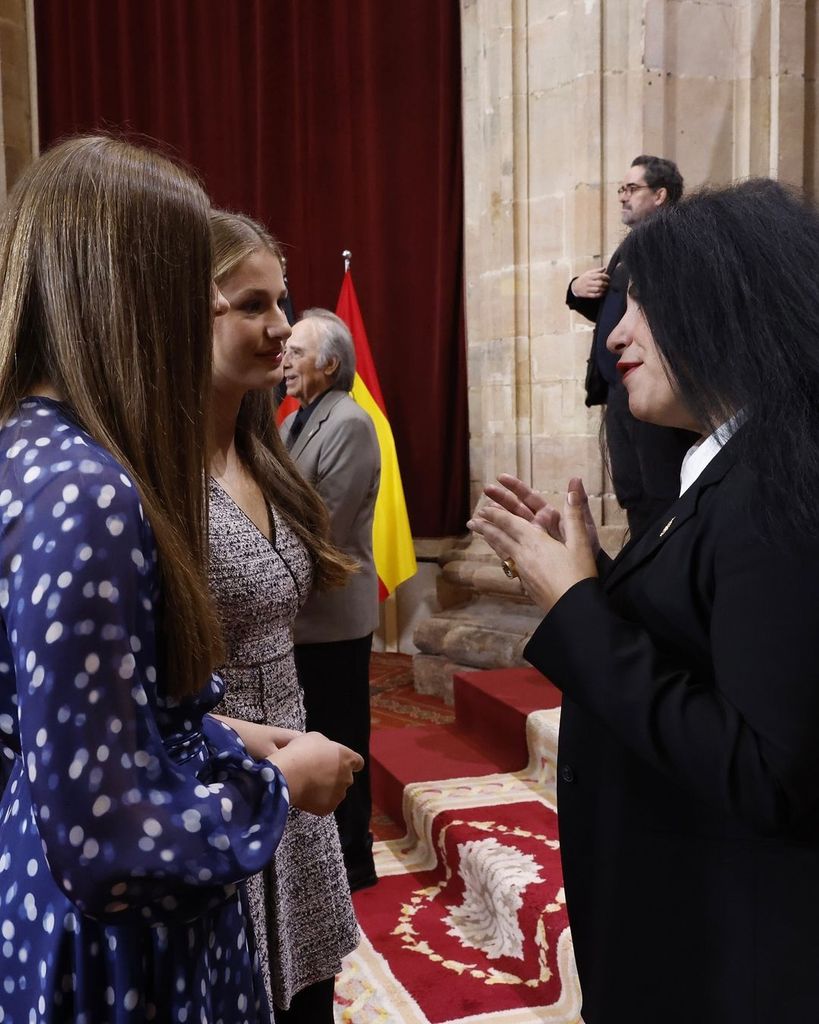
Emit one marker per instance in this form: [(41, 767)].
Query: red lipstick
[(625, 368)]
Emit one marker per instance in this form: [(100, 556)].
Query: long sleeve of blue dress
[(135, 808)]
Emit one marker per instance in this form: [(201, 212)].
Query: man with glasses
[(644, 459)]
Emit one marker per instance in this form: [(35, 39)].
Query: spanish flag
[(393, 550)]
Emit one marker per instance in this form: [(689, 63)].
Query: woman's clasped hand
[(551, 551), (318, 771)]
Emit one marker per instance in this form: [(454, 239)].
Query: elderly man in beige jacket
[(333, 443)]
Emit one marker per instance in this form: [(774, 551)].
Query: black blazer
[(688, 767), (597, 388)]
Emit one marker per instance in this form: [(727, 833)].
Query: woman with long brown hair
[(130, 816), (269, 544)]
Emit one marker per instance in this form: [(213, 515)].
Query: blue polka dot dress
[(128, 820)]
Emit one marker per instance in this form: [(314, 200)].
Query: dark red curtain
[(338, 124)]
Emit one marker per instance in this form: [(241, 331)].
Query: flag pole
[(347, 256)]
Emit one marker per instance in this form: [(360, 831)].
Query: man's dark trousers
[(335, 678)]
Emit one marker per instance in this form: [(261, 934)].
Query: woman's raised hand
[(318, 771), (519, 499), (551, 551)]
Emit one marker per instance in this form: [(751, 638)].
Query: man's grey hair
[(335, 342)]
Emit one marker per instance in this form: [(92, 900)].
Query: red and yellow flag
[(393, 550)]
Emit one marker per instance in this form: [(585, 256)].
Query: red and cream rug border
[(367, 991)]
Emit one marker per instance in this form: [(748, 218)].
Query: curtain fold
[(338, 124)]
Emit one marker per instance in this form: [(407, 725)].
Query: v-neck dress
[(128, 818), (301, 907)]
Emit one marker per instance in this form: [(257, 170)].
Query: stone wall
[(18, 102), (559, 96)]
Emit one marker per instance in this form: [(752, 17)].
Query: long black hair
[(728, 280)]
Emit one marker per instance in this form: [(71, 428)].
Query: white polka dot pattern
[(113, 823)]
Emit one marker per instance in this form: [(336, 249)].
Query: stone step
[(399, 757), (423, 800), (489, 736), (491, 709)]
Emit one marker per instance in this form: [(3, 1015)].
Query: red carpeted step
[(401, 756), (491, 708)]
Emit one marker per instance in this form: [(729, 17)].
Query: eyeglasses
[(630, 189)]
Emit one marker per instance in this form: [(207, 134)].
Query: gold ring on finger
[(509, 567)]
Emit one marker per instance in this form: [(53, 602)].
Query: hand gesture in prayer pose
[(551, 551)]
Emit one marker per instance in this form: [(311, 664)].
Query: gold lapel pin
[(667, 525)]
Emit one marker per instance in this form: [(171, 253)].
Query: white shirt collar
[(699, 455)]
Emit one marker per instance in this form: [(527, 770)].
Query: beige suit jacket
[(338, 453)]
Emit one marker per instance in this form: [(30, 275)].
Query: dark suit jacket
[(688, 768), (596, 384), (338, 453)]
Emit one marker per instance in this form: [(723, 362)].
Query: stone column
[(534, 217), (496, 231), (18, 93), (558, 97)]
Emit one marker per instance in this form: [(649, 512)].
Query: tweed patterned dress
[(301, 907)]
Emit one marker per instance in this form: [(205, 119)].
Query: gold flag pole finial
[(347, 256)]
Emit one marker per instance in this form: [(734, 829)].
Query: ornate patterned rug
[(467, 923), (393, 699)]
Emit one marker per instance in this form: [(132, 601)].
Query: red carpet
[(467, 924), (475, 935), (394, 704), (487, 736)]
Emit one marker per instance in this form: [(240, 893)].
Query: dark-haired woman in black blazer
[(688, 767)]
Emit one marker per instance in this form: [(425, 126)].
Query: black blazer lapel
[(613, 262), (634, 555)]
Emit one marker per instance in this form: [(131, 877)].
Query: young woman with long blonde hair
[(269, 546)]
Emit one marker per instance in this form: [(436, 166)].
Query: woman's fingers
[(531, 499), (548, 519), (493, 535), (548, 566), (509, 536), (576, 485), (498, 527), (519, 499), (513, 526), (578, 542), (574, 523), (505, 498)]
